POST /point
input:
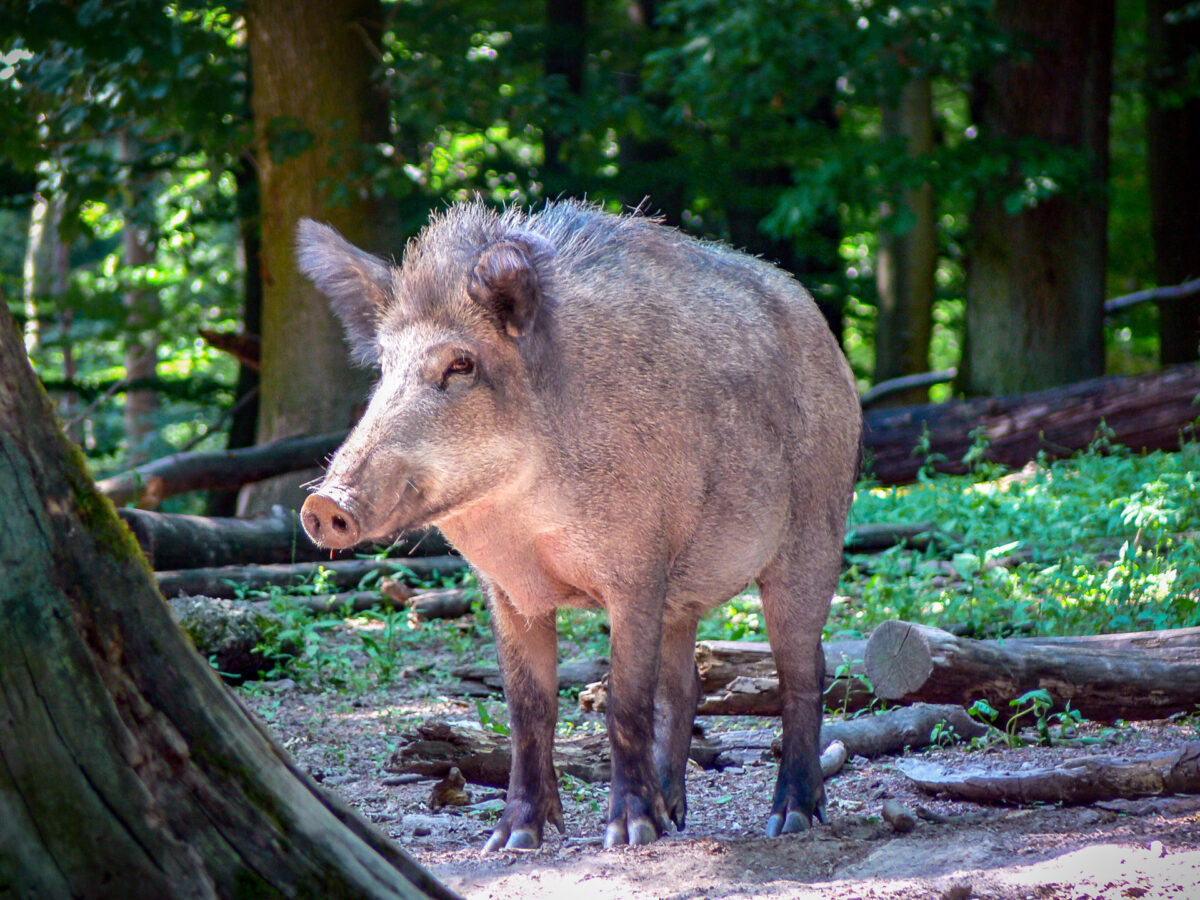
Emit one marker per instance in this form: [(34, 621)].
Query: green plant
[(488, 722)]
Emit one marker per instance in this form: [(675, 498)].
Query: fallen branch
[(484, 680), (1142, 412), (1075, 781), (878, 392), (1153, 295), (484, 757), (219, 470), (173, 541), (1104, 678), (245, 348), (877, 537), (232, 581)]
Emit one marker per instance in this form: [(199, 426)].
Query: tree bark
[(315, 110), (1173, 136), (907, 257), (1143, 412), (1035, 279), (230, 581), (172, 541), (1075, 781), (1104, 679), (126, 769)]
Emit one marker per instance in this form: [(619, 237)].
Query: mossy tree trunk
[(126, 769), (317, 116)]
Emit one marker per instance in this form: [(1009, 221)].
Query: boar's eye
[(460, 365)]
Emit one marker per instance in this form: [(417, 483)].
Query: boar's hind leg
[(636, 811), (528, 665), (796, 591), (675, 711)]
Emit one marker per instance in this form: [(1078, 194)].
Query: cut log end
[(898, 659)]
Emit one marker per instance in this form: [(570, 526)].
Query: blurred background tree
[(959, 183)]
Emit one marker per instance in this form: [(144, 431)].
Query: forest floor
[(1147, 848)]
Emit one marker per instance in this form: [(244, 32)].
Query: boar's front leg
[(636, 811), (528, 650)]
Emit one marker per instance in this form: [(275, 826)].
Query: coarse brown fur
[(600, 411)]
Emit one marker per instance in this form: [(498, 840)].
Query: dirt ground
[(1146, 848)]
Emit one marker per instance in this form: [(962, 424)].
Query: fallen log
[(1104, 678), (173, 541), (450, 603), (1142, 412), (877, 537), (1076, 781), (217, 470), (484, 757), (738, 678), (891, 732), (233, 581), (480, 680)]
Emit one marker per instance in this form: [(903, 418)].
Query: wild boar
[(599, 411)]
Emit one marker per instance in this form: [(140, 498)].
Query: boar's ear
[(357, 284), (506, 282)]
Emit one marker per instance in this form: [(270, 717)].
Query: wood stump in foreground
[(126, 769)]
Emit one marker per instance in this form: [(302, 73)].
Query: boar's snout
[(329, 524)]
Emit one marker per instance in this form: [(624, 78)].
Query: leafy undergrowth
[(1101, 542)]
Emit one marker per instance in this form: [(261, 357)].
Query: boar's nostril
[(329, 524)]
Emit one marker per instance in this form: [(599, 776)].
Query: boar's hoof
[(328, 524), (795, 822), (516, 839), (640, 831)]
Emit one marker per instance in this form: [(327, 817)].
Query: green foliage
[(1097, 542)]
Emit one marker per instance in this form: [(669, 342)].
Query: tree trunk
[(564, 56), (315, 110), (1173, 136), (1035, 278), (243, 424), (1142, 412), (907, 258), (172, 541), (128, 770), (908, 662), (142, 310)]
